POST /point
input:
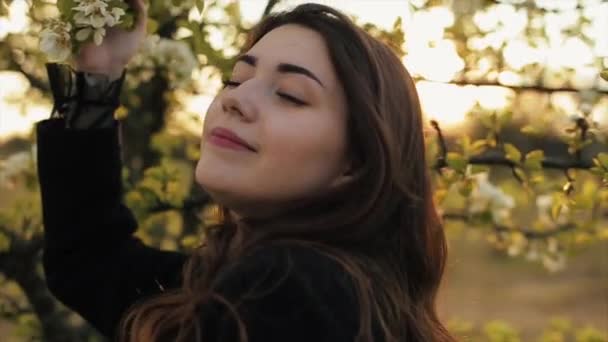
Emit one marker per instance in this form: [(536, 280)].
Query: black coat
[(96, 266)]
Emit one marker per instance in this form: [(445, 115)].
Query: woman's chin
[(216, 186)]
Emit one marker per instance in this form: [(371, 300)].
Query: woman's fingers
[(142, 14)]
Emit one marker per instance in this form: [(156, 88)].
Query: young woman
[(313, 151)]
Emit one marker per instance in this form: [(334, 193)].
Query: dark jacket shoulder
[(285, 293)]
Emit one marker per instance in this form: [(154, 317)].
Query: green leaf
[(200, 5), (534, 160), (152, 26), (491, 139), (65, 7), (127, 22), (500, 331), (3, 8), (153, 185), (475, 168), (465, 142), (120, 4), (506, 117), (604, 74), (521, 174), (5, 243), (560, 201), (466, 187), (512, 153), (479, 146), (190, 241), (487, 121), (603, 159), (596, 170), (555, 210), (531, 130), (537, 178), (567, 187), (456, 161), (148, 198), (198, 39)]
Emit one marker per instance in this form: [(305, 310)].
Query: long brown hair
[(382, 227)]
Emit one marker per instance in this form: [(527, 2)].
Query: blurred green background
[(517, 126)]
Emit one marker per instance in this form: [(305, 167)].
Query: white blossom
[(544, 203), (554, 262), (55, 41), (175, 57), (90, 6), (99, 17), (533, 252), (91, 19), (553, 245), (117, 13), (487, 196), (98, 34), (517, 244)]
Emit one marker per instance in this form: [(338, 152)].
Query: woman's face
[(299, 148)]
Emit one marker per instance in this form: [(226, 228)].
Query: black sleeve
[(284, 293), (91, 260), (83, 100)]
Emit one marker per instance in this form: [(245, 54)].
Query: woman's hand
[(117, 48)]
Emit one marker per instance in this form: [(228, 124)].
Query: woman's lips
[(224, 137), (224, 142)]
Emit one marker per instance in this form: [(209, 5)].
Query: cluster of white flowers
[(486, 196), (89, 20), (174, 56), (550, 253), (55, 40), (93, 16)]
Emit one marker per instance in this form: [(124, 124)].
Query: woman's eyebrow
[(282, 67)]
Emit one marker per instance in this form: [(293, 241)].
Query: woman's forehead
[(297, 45)]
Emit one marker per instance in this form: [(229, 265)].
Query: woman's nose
[(233, 104)]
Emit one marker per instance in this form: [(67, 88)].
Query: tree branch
[(496, 157), (536, 88), (531, 4)]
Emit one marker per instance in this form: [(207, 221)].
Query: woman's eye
[(292, 99), (229, 83), (295, 101)]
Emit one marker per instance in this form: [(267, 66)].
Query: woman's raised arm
[(91, 260)]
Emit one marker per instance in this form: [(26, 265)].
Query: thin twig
[(520, 88), (497, 157), (531, 4)]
